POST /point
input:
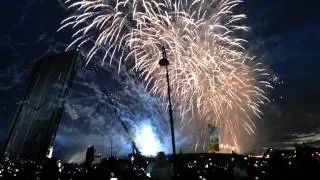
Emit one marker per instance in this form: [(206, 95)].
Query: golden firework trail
[(213, 78)]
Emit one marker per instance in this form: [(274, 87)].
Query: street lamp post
[(164, 62)]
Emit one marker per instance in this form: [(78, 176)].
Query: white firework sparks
[(213, 79)]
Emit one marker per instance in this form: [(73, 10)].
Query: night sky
[(284, 34)]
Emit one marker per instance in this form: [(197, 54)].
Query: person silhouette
[(89, 156), (161, 170)]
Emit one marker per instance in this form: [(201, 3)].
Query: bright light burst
[(213, 79), (147, 140)]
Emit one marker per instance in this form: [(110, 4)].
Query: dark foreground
[(274, 165)]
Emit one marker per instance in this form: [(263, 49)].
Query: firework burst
[(213, 79)]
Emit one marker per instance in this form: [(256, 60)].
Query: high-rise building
[(39, 113), (213, 138)]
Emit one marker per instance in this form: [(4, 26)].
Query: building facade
[(38, 116)]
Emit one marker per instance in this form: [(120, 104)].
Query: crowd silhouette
[(302, 163)]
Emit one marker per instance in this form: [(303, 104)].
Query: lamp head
[(164, 62)]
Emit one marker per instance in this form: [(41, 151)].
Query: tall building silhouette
[(36, 121)]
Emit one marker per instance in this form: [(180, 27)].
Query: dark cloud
[(289, 41)]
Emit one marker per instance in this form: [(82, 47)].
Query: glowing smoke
[(147, 140)]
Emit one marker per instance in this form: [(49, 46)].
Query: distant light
[(59, 164), (50, 152)]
